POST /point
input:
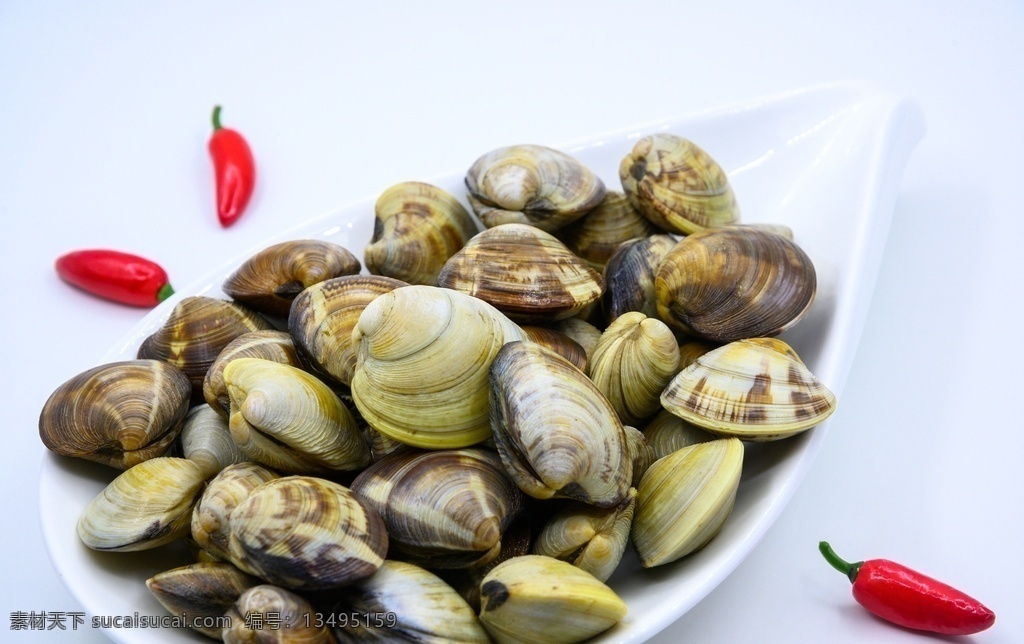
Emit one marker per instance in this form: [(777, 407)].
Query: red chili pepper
[(116, 276), (905, 597), (234, 168)]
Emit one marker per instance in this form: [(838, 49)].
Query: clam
[(641, 453), (285, 418), (380, 444), (677, 185), (582, 332), (119, 414), (269, 280), (684, 499), (417, 228), (596, 236), (752, 389), (144, 507), (323, 317), (635, 359), (540, 599), (445, 509), (515, 542), (560, 343), (302, 532), (202, 592), (422, 361), (206, 440), (556, 433), (668, 433), (526, 273), (531, 184), (629, 276), (733, 283), (195, 333), (210, 516), (410, 605), (592, 539), (690, 350), (266, 345), (272, 615)]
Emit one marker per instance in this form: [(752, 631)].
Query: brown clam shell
[(629, 276), (524, 272), (733, 283), (118, 414), (531, 184), (200, 590), (196, 332), (677, 185), (266, 345), (560, 343), (596, 236), (417, 228), (269, 281), (323, 317)]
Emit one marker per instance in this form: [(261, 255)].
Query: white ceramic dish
[(826, 161)]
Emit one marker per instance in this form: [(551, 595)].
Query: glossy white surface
[(103, 129)]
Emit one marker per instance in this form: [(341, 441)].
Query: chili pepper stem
[(165, 292), (216, 118), (845, 567)]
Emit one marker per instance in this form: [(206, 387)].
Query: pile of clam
[(450, 447)]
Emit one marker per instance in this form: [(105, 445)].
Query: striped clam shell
[(751, 389), (524, 272), (210, 516), (629, 276), (267, 614), (531, 184), (417, 228), (677, 185), (302, 532), (556, 433), (596, 236), (444, 509), (269, 280), (266, 345), (206, 439), (196, 332), (201, 590), (733, 283), (286, 419), (118, 414), (323, 317)]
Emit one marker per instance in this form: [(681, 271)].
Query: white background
[(104, 110)]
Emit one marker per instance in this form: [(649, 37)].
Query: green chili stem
[(216, 118), (165, 292), (845, 567)]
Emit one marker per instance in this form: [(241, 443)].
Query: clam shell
[(677, 185), (285, 418), (196, 332), (413, 604), (560, 343), (556, 433), (445, 509), (531, 184), (144, 507), (540, 599), (749, 389), (206, 440), (596, 236), (266, 345), (210, 516), (641, 454), (417, 228), (402, 338), (735, 283), (584, 333), (629, 276), (524, 272), (635, 359), (592, 539), (118, 414), (515, 542), (271, 615), (323, 317), (690, 350), (302, 532), (199, 591), (269, 280), (668, 433), (684, 499)]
